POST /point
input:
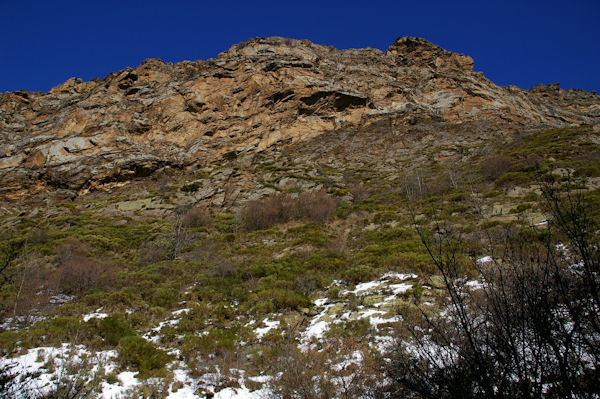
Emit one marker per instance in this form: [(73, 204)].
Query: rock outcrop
[(261, 93)]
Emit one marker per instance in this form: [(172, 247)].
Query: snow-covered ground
[(375, 299)]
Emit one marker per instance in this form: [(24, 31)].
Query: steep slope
[(245, 227), (266, 91)]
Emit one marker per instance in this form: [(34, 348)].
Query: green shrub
[(190, 187), (59, 329), (216, 341), (9, 341), (358, 328), (137, 353), (518, 178), (359, 274), (164, 297), (263, 307), (330, 263), (283, 299), (113, 328), (343, 210)]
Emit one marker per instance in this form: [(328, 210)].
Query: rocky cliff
[(259, 94)]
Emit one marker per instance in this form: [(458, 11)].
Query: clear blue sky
[(43, 43)]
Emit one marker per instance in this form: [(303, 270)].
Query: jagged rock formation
[(260, 93)]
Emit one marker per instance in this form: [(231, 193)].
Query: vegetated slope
[(276, 254)]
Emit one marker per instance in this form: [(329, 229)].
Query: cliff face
[(258, 94)]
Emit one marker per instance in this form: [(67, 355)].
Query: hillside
[(253, 224)]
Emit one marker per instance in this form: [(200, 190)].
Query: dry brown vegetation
[(494, 166), (196, 217), (316, 206), (78, 273)]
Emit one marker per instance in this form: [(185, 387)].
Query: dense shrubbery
[(281, 208), (494, 166), (113, 328), (196, 217), (532, 330), (141, 355), (78, 273)]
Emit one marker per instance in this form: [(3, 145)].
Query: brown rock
[(262, 94)]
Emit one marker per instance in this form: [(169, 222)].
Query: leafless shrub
[(307, 283), (494, 166), (153, 252), (163, 183), (316, 206), (438, 186), (24, 280), (314, 374), (347, 176), (77, 272), (181, 236), (267, 212), (38, 236), (204, 251), (303, 375), (282, 207), (78, 275), (532, 327), (413, 185), (337, 246), (33, 288), (359, 192), (222, 267), (418, 186), (196, 217)]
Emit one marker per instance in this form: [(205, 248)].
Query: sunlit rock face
[(259, 94)]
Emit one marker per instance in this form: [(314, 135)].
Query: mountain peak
[(416, 51), (261, 94)]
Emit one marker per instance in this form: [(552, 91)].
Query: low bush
[(190, 187), (216, 342), (280, 208), (283, 299), (359, 274), (137, 353), (77, 272), (267, 212), (112, 328), (494, 166), (315, 206), (359, 328), (164, 297), (196, 217)]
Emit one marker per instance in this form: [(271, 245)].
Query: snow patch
[(243, 393), (368, 286), (60, 299), (270, 324), (398, 276), (474, 284), (320, 302), (400, 288), (94, 315)]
